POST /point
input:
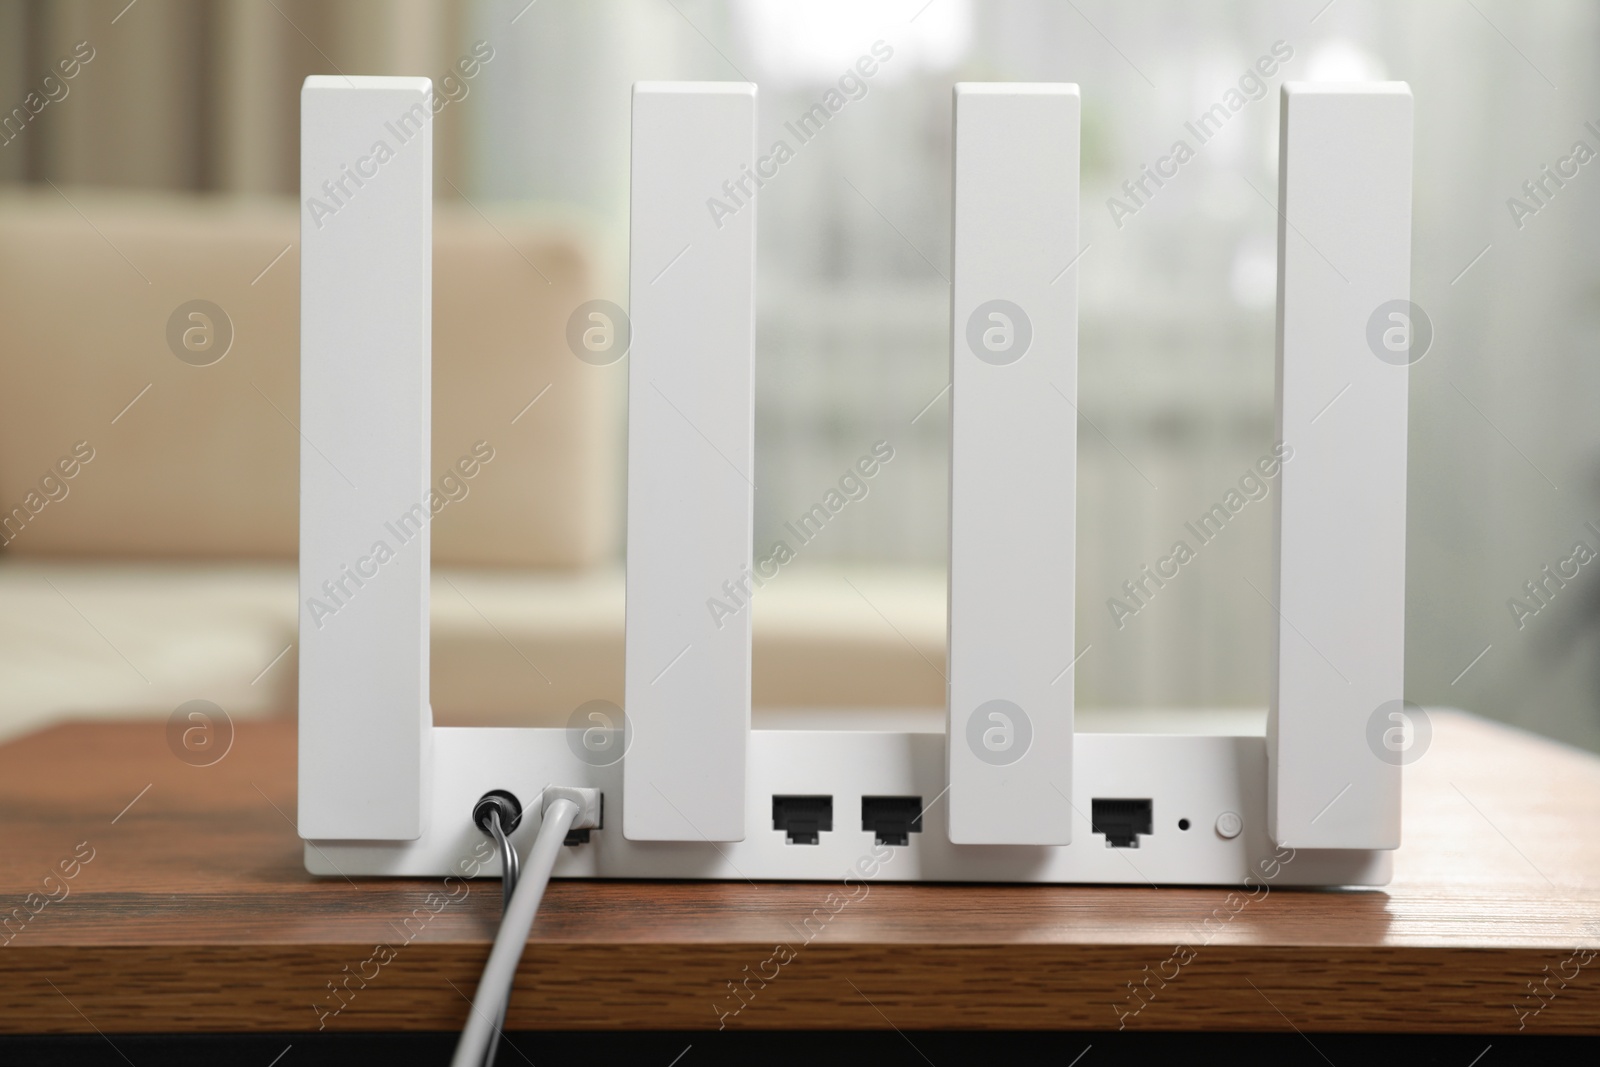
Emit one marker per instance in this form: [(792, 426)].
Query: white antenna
[(691, 462), (366, 365), (1344, 285), (1013, 463)]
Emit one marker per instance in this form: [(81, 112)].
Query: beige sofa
[(163, 569)]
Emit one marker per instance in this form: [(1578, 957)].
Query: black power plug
[(509, 807)]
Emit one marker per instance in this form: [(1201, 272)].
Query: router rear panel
[(1217, 783)]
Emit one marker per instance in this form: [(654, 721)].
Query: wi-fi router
[(1009, 792)]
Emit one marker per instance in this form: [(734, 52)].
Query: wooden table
[(195, 914)]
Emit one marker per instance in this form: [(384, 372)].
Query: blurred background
[(163, 169)]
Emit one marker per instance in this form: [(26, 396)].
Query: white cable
[(494, 988), (510, 869)]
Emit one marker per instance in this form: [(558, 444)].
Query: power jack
[(498, 800)]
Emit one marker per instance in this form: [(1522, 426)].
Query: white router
[(1009, 792)]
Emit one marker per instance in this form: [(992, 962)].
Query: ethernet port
[(802, 818), (581, 837), (1122, 821), (892, 820)]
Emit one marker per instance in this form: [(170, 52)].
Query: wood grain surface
[(193, 912)]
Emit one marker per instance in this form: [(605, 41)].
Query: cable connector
[(591, 810), (501, 802)]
